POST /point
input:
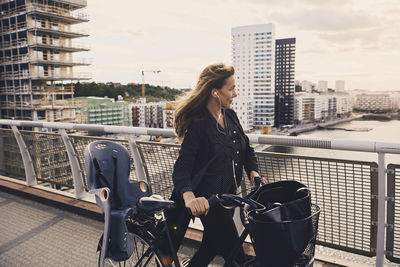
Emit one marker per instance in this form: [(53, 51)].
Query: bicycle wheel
[(142, 251)]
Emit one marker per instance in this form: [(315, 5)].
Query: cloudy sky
[(353, 40)]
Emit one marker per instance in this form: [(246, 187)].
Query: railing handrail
[(350, 145)]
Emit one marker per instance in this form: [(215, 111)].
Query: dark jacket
[(210, 157)]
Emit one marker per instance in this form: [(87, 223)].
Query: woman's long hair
[(190, 106)]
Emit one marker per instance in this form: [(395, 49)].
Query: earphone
[(220, 114)]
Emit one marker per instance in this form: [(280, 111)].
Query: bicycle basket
[(293, 197), (283, 243)]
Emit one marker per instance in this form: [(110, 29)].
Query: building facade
[(306, 86), (285, 50), (148, 114), (373, 102), (339, 86), (104, 111), (36, 73), (36, 62), (322, 86), (253, 56)]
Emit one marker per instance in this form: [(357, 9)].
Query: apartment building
[(285, 50), (36, 58), (169, 115), (306, 86), (373, 102), (339, 86), (322, 86), (316, 107), (148, 114), (104, 111), (307, 108), (253, 56)]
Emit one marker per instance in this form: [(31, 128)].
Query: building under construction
[(36, 59), (36, 76)]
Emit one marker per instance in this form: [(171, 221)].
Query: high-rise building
[(253, 56), (306, 86), (322, 86), (339, 85), (285, 50), (36, 59)]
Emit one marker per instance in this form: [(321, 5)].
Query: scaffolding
[(36, 63), (37, 77)]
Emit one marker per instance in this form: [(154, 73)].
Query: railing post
[(390, 211), (137, 160), (75, 167), (26, 158), (380, 243)]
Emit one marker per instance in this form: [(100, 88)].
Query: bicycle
[(147, 225), (135, 228)]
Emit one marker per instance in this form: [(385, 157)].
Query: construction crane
[(143, 86)]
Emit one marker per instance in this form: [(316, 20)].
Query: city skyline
[(354, 41)]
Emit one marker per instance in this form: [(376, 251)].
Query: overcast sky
[(353, 40)]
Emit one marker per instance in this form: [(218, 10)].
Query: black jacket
[(209, 155)]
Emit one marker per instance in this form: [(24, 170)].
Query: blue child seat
[(108, 167)]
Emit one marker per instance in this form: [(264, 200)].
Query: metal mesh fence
[(393, 213), (80, 142), (158, 160), (343, 190), (49, 158), (10, 156)]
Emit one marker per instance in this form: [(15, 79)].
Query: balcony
[(8, 60), (46, 89), (72, 47), (46, 75), (53, 12), (56, 104), (42, 28), (62, 14), (358, 215), (41, 60), (13, 44)]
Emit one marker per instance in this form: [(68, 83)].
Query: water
[(382, 131)]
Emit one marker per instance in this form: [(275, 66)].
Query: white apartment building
[(339, 86), (314, 107), (244, 109), (373, 102), (307, 107), (253, 56), (147, 114), (306, 86), (322, 86), (344, 104)]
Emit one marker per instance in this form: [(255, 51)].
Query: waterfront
[(383, 131)]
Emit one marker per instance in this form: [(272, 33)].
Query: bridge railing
[(356, 210)]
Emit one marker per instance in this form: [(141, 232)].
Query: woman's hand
[(255, 174), (197, 205)]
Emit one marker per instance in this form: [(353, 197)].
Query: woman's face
[(227, 92)]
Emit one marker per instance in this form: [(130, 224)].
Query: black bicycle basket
[(284, 233)]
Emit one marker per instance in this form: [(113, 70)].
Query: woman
[(211, 159)]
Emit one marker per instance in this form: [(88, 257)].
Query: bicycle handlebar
[(235, 200)]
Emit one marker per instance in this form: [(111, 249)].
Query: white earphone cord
[(219, 115)]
